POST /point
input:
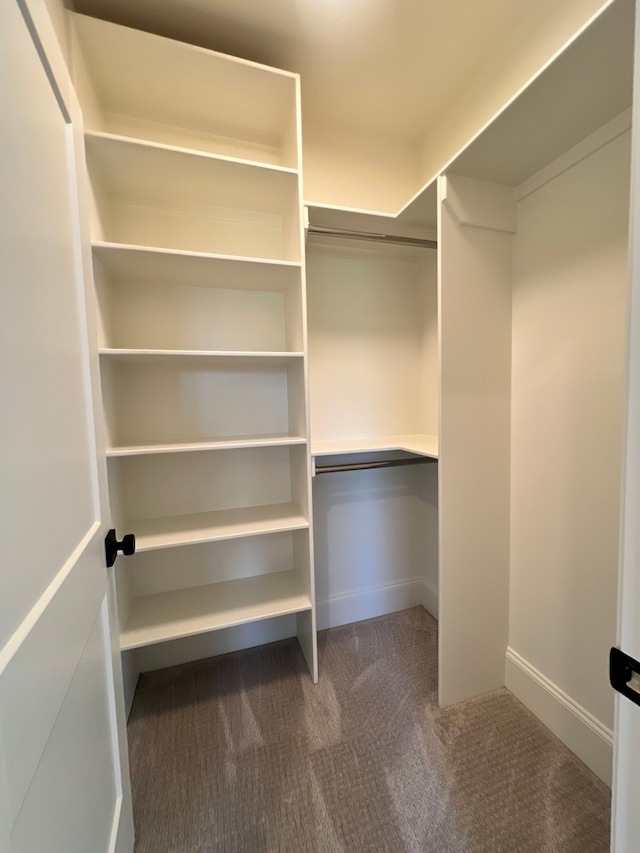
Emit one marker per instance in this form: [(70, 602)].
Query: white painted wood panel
[(218, 358), (475, 272), (625, 818), (186, 612), (32, 704), (60, 707), (219, 444)]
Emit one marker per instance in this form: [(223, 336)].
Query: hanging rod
[(363, 466), (416, 242)]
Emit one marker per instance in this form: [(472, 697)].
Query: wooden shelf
[(91, 135), (217, 444), (421, 445), (133, 172), (221, 359), (125, 262), (174, 531), (185, 612)]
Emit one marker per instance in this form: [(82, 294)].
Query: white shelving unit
[(194, 166)]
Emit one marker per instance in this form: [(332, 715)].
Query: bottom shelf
[(196, 610)]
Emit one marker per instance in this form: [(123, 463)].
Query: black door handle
[(622, 670), (112, 547)]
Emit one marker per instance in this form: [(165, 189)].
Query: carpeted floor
[(244, 753)]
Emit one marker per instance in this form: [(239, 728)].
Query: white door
[(63, 762), (626, 766)]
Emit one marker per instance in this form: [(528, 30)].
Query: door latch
[(112, 547), (624, 674)]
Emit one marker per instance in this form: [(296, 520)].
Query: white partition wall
[(477, 221)]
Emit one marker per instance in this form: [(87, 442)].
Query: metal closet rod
[(363, 466), (416, 242)]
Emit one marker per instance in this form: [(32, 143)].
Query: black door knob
[(112, 547)]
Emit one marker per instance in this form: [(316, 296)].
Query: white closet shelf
[(174, 531), (196, 610), (217, 444), (421, 445), (195, 152), (125, 262), (133, 172), (167, 87), (221, 359)]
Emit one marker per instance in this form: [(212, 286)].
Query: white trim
[(576, 727), (585, 148), (115, 827), (366, 603), (31, 619), (430, 598), (480, 204)]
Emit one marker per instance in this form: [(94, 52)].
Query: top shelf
[(132, 83)]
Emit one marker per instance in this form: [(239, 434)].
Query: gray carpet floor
[(243, 753)]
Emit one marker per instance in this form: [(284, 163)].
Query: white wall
[(569, 332), (356, 170), (372, 339), (376, 542), (373, 370)]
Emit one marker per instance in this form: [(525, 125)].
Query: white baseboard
[(367, 603), (586, 736)]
